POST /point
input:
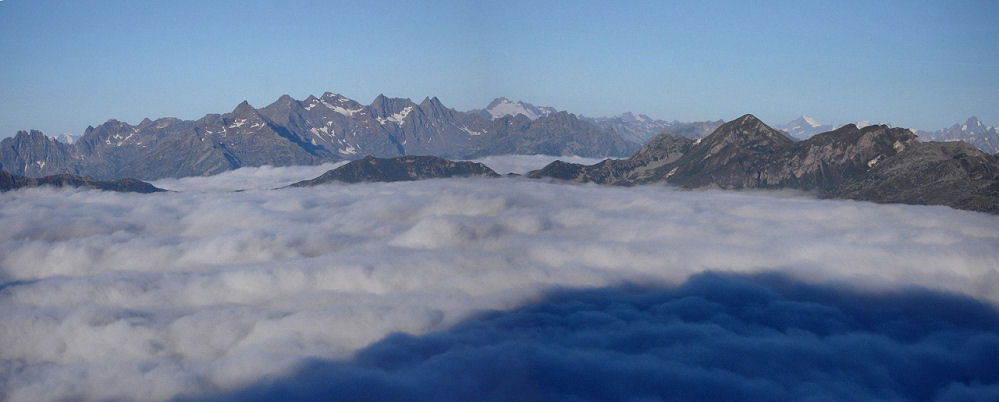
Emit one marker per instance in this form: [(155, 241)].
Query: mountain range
[(333, 128), (874, 163), (637, 128), (972, 131), (307, 132)]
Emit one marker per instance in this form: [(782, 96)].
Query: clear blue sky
[(69, 64)]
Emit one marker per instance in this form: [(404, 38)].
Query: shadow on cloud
[(716, 337)]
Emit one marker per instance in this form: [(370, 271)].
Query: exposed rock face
[(292, 132), (876, 163), (734, 156), (647, 162), (10, 182), (34, 154), (956, 174), (403, 168)]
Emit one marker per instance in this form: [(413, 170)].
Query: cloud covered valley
[(204, 291)]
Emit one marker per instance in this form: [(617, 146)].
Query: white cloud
[(110, 295), (247, 178)]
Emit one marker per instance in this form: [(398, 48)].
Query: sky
[(919, 64), (114, 296)]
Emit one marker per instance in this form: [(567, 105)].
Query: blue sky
[(922, 64)]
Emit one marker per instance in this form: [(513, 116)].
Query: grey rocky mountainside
[(876, 163), (292, 132), (10, 182), (400, 168)]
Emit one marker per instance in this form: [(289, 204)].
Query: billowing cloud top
[(717, 337), (192, 293)]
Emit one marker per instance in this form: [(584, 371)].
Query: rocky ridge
[(401, 168), (876, 163), (9, 182)]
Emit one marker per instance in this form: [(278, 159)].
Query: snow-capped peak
[(504, 107), (810, 121), (65, 138)]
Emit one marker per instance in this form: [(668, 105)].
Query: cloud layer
[(717, 337), (109, 295)]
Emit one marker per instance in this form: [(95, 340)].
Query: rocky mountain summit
[(876, 163), (311, 131), (9, 182), (402, 168)]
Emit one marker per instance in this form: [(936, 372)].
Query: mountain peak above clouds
[(500, 107), (804, 127)]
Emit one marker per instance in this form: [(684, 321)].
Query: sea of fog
[(205, 290)]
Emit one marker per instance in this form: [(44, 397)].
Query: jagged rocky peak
[(971, 123), (385, 107), (431, 101), (432, 106), (283, 102), (33, 134), (245, 108)]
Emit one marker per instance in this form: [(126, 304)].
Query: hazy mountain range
[(637, 128), (971, 131), (332, 128), (310, 131)]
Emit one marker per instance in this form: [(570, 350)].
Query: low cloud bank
[(247, 178), (717, 337), (107, 295), (521, 164)]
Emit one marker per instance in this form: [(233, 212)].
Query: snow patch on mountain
[(397, 118)]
